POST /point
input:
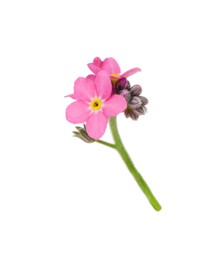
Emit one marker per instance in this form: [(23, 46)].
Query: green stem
[(106, 143), (127, 160)]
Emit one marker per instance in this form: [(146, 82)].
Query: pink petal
[(84, 89), (95, 69), (77, 112), (115, 105), (103, 85), (111, 66), (91, 76), (98, 62), (130, 72), (96, 125)]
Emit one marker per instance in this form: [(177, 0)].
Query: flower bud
[(126, 94), (82, 134), (136, 90), (135, 102), (132, 113), (144, 100), (121, 84), (141, 110)]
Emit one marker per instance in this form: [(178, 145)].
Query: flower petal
[(103, 85), (95, 69), (130, 72), (77, 112), (91, 77), (84, 88), (111, 66), (96, 125), (98, 62), (115, 105), (95, 66)]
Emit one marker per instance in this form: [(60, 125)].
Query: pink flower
[(111, 66), (95, 104)]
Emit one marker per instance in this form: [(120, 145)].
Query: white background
[(63, 199)]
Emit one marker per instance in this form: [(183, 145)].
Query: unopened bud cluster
[(136, 103)]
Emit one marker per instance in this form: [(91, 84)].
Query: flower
[(102, 95), (111, 66), (94, 104)]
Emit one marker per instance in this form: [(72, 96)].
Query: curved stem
[(127, 160), (105, 143)]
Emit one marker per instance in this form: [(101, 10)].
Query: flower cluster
[(136, 103), (102, 95)]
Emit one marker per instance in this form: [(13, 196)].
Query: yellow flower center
[(115, 75), (96, 104), (114, 78)]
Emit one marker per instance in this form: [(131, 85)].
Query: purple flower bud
[(141, 110), (132, 113), (135, 102), (126, 94), (144, 100), (136, 90), (121, 84)]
